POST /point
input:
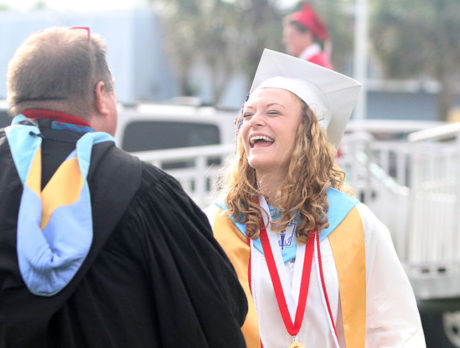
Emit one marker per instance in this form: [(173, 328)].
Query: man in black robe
[(98, 249)]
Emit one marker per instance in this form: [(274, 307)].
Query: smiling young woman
[(318, 268), (267, 134)]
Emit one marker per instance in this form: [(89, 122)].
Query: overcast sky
[(75, 4), (92, 5)]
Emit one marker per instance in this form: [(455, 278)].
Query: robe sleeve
[(393, 319), (197, 298)]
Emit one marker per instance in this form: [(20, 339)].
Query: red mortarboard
[(311, 21)]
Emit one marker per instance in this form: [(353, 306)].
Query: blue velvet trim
[(48, 259), (340, 205)]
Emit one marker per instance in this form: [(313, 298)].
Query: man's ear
[(100, 98)]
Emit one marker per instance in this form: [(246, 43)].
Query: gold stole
[(347, 243)]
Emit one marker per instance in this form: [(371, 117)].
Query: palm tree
[(420, 38), (228, 36)]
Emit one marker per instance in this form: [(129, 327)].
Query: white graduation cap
[(331, 95)]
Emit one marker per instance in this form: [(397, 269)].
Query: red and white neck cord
[(292, 328)]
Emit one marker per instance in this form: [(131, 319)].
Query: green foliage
[(228, 36), (419, 38), (186, 24), (260, 26), (40, 5)]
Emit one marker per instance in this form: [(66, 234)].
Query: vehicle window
[(159, 135), (5, 119)]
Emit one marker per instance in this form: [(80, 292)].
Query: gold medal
[(296, 344)]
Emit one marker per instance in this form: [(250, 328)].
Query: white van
[(189, 142), (160, 126), (5, 119)]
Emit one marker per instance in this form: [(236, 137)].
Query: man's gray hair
[(57, 68)]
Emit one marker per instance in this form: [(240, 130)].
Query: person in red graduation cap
[(305, 33)]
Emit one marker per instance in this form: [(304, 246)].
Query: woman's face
[(271, 117), (296, 41)]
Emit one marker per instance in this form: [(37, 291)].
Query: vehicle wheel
[(435, 330), (451, 324)]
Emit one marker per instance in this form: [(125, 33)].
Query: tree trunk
[(219, 81), (445, 98)]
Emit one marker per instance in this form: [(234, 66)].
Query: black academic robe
[(154, 277)]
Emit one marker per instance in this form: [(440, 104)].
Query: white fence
[(200, 169), (433, 247), (411, 185)]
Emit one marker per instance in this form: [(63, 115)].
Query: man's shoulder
[(153, 174), (122, 169), (109, 149), (113, 153), (109, 160), (114, 169)]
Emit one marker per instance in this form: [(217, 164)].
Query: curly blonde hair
[(310, 173)]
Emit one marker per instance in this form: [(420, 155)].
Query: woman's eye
[(273, 112), (247, 114)]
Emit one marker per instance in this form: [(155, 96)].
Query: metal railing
[(199, 169), (432, 254), (413, 187)]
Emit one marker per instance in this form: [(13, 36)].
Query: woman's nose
[(257, 119)]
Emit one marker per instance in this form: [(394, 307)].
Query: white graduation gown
[(392, 318)]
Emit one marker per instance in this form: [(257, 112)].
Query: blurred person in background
[(319, 269), (305, 35), (98, 249)]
